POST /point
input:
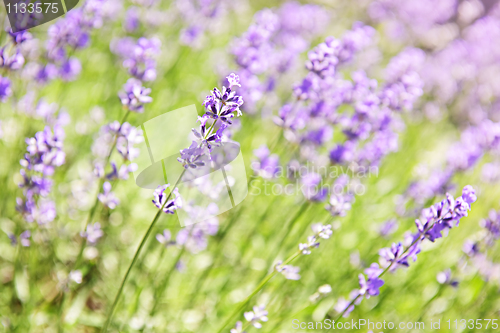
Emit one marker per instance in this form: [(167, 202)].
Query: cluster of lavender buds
[(255, 318), (445, 278), (11, 57), (267, 165), (138, 56), (477, 249), (44, 154), (367, 116), (270, 49), (69, 34), (221, 107), (125, 136), (289, 272), (461, 74), (474, 142), (320, 231), (433, 222)]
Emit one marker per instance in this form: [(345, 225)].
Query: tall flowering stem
[(442, 216), (166, 206), (255, 291), (320, 232), (220, 106)]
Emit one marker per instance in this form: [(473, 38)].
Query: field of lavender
[(331, 144)]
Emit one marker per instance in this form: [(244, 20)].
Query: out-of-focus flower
[(267, 166), (24, 238), (134, 96), (139, 56), (445, 278), (93, 233), (320, 231), (5, 89), (108, 198), (165, 238), (76, 276), (289, 272), (259, 314), (238, 328), (388, 228)]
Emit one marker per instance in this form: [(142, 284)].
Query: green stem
[(164, 283), (268, 277), (388, 267), (136, 256)]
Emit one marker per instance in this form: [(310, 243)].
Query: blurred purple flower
[(93, 233), (5, 89), (267, 166), (108, 198), (134, 96)]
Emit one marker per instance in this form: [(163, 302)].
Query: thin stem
[(388, 267), (268, 277), (137, 252), (164, 283), (101, 183)]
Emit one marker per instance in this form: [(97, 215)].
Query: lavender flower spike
[(443, 215)]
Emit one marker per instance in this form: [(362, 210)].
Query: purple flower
[(445, 278), (70, 69), (311, 187), (122, 173), (238, 328), (44, 154), (165, 238), (93, 233), (267, 166), (289, 272), (134, 96), (259, 314), (439, 216), (108, 198), (234, 80), (191, 157), (24, 238), (221, 107), (388, 228), (131, 22), (369, 287), (5, 89), (160, 198), (139, 57), (20, 37), (469, 195), (11, 61)]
